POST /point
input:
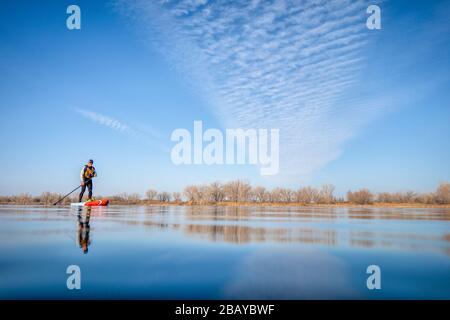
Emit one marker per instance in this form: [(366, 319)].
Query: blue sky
[(355, 107)]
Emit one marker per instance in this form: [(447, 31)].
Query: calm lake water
[(224, 253)]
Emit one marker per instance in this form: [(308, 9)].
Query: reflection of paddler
[(83, 231)]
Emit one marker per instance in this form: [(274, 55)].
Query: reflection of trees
[(316, 236), (244, 234)]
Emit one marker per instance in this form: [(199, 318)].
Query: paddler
[(86, 175)]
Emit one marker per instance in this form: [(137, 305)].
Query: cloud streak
[(105, 121), (144, 134)]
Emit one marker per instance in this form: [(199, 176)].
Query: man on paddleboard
[(86, 175)]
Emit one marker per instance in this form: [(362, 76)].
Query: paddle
[(69, 194)]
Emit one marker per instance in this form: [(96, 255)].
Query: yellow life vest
[(89, 172)]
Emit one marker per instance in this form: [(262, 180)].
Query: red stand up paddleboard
[(97, 203), (93, 203)]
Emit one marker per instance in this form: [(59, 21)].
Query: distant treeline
[(239, 191)]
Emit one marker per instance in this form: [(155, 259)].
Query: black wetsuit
[(88, 184)]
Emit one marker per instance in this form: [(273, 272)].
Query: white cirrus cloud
[(281, 64)]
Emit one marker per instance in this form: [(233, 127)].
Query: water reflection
[(84, 229), (406, 229), (211, 252), (412, 229)]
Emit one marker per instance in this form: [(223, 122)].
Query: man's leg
[(83, 189), (89, 185)]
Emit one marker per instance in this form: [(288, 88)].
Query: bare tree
[(133, 198), (275, 195), (259, 194), (362, 196), (307, 195), (202, 195), (231, 191), (281, 195), (326, 194), (443, 193), (427, 198), (151, 194), (176, 196), (244, 191), (164, 196), (190, 193), (24, 198), (384, 197), (410, 197), (49, 198), (237, 190), (196, 194), (215, 192)]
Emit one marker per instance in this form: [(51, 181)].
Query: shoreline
[(257, 204), (242, 193), (300, 205)]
